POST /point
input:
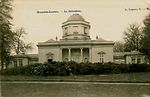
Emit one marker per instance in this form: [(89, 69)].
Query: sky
[(108, 18)]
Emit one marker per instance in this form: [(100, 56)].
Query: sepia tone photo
[(74, 48)]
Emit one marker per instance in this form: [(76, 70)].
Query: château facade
[(76, 44)]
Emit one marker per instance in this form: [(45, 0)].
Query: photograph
[(74, 48)]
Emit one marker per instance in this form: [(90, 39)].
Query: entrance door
[(50, 60), (76, 58)]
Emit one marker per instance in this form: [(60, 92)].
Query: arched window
[(101, 56), (66, 31)]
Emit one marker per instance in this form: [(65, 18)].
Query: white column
[(60, 54), (136, 59), (90, 54), (81, 54), (69, 54)]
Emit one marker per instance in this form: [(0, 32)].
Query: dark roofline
[(116, 54), (26, 56)]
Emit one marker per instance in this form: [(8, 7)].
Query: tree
[(132, 38), (119, 46), (20, 46), (146, 38), (6, 35)]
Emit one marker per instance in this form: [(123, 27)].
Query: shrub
[(25, 70), (69, 68), (139, 67), (40, 70)]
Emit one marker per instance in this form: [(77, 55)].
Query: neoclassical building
[(76, 44)]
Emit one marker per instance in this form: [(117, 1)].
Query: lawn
[(78, 86), (73, 90)]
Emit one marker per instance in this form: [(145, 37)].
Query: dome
[(75, 17)]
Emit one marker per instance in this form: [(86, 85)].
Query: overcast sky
[(108, 18)]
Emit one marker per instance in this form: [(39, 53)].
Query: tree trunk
[(2, 52)]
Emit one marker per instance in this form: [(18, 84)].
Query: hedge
[(73, 68)]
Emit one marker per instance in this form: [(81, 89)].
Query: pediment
[(101, 52)]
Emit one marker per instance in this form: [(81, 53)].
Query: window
[(101, 56), (85, 30), (15, 63), (138, 60), (20, 62), (66, 31), (75, 28), (66, 28), (133, 60)]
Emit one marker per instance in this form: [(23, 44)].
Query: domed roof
[(75, 17)]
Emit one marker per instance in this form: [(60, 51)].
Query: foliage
[(25, 70), (20, 46), (6, 35), (146, 39), (118, 46), (133, 37), (73, 68)]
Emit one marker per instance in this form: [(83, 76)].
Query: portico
[(76, 54)]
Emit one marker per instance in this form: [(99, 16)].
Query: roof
[(75, 17), (21, 56), (33, 55), (50, 40), (26, 56), (127, 53), (100, 39), (119, 55), (75, 42)]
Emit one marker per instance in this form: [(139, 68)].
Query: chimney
[(96, 37)]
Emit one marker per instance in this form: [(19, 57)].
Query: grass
[(73, 90), (127, 77), (10, 89)]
